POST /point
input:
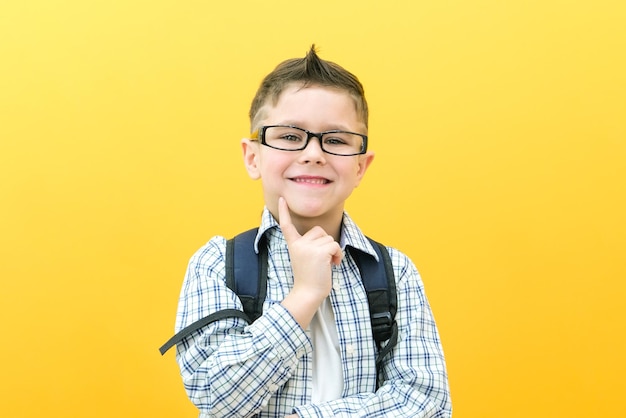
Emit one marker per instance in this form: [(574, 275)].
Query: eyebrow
[(337, 127)]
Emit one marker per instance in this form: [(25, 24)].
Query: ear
[(251, 158), (364, 162)]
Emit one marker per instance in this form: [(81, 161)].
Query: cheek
[(271, 164)]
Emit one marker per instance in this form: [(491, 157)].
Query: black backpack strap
[(380, 284), (195, 326), (246, 275)]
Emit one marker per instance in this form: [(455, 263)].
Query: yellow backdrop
[(500, 134)]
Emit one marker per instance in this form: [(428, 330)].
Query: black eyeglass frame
[(259, 134)]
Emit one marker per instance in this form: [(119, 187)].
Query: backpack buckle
[(381, 326)]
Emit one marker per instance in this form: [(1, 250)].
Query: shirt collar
[(351, 235)]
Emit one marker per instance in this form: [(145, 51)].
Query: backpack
[(246, 275)]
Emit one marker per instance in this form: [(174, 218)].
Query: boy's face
[(314, 184)]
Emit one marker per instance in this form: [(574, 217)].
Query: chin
[(305, 210)]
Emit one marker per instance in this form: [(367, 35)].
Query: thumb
[(337, 256)]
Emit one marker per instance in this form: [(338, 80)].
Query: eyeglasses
[(292, 138)]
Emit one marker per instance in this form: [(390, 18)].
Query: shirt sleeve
[(414, 372), (229, 368)]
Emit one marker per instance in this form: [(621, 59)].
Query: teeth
[(311, 181)]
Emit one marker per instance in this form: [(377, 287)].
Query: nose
[(313, 152)]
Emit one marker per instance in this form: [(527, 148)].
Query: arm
[(232, 370), (228, 368), (415, 377)]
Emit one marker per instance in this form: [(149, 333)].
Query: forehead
[(316, 107)]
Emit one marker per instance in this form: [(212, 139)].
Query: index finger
[(284, 219)]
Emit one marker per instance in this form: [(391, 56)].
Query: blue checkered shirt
[(231, 369)]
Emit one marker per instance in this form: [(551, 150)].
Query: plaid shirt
[(231, 369)]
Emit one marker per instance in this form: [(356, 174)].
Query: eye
[(335, 140), (285, 134), (290, 137), (340, 139)]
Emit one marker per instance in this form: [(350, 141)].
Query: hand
[(292, 416), (312, 256)]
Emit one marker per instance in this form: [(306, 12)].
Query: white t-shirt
[(327, 368)]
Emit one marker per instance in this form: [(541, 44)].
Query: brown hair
[(310, 70)]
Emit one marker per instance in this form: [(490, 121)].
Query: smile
[(311, 180)]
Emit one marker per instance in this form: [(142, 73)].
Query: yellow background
[(500, 134)]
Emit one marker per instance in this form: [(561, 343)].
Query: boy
[(311, 353)]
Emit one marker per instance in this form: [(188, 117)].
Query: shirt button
[(350, 349), (272, 388), (336, 287)]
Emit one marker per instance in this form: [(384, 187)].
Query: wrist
[(302, 305)]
